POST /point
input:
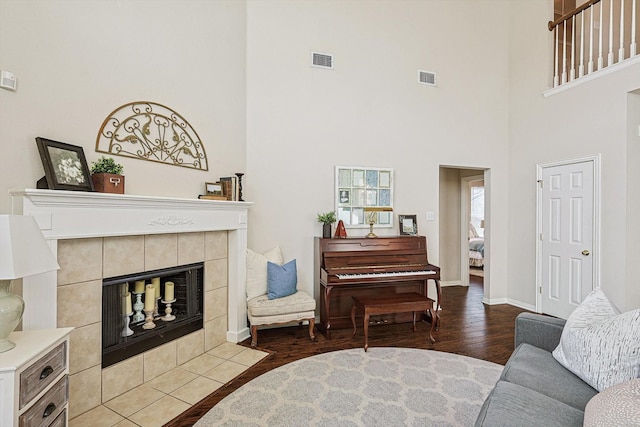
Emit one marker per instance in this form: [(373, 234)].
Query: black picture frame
[(408, 225), (65, 166)]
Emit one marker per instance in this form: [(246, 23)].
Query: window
[(477, 206), (361, 187)]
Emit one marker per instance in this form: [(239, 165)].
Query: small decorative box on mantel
[(108, 183)]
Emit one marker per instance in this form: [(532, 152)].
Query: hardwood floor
[(468, 327)]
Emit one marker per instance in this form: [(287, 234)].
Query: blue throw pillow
[(282, 280)]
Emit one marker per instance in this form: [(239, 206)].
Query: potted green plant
[(327, 219), (107, 176)]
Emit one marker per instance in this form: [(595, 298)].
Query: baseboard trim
[(515, 303), (242, 335), (521, 304), (451, 283)]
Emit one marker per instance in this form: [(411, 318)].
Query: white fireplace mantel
[(74, 214)]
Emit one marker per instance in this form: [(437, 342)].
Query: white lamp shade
[(23, 250)]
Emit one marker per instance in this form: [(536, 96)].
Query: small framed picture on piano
[(408, 225)]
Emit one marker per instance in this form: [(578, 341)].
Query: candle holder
[(138, 306), (126, 331), (156, 313), (239, 175), (168, 317), (148, 321)]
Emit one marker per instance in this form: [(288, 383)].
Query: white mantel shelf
[(78, 214)]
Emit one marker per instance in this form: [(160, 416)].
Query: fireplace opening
[(139, 313)]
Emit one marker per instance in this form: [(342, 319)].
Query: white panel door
[(567, 236)]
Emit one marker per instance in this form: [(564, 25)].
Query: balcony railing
[(596, 35)]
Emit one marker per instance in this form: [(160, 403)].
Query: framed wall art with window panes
[(357, 188)]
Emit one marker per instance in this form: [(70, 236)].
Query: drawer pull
[(46, 372), (51, 407)]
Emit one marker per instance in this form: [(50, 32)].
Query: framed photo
[(408, 225), (65, 166), (214, 188)]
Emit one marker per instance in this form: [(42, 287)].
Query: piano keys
[(391, 274), (370, 266)]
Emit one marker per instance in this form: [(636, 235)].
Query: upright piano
[(370, 266)]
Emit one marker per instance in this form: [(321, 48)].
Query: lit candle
[(127, 304), (168, 291), (149, 298), (156, 285), (139, 286)]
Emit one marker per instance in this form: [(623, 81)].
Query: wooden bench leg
[(433, 324), (353, 318), (365, 326)]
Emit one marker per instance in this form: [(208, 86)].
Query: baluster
[(600, 56), (555, 75), (590, 67), (572, 73), (621, 50), (564, 52), (610, 56), (581, 67), (632, 47)]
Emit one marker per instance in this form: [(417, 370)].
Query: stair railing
[(593, 25)]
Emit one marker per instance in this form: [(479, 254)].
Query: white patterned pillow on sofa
[(599, 345)]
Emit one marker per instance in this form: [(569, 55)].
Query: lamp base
[(371, 234), (6, 345), (11, 309)]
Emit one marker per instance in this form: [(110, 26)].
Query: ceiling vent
[(427, 77), (321, 60)]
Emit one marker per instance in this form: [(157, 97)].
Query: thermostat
[(7, 80)]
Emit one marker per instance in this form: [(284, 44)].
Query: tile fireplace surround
[(99, 235)]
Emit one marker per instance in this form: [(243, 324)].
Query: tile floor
[(163, 398)]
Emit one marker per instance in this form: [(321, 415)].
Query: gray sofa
[(534, 389)]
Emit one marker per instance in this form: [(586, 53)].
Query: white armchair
[(272, 294)]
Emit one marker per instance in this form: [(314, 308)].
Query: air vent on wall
[(427, 77), (322, 60)]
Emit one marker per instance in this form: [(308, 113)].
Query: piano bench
[(391, 304), (293, 308)]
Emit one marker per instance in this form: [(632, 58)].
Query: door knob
[(585, 252)]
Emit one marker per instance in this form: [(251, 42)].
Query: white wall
[(588, 119), (370, 110), (76, 61)]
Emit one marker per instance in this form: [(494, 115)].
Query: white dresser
[(34, 379)]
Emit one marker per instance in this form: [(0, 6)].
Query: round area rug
[(384, 386)]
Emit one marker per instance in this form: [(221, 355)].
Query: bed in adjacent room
[(476, 248)]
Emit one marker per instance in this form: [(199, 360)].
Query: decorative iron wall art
[(149, 131)]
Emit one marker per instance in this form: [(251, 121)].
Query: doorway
[(455, 214), (472, 227)]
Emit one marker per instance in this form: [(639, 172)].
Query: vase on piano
[(326, 231)]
